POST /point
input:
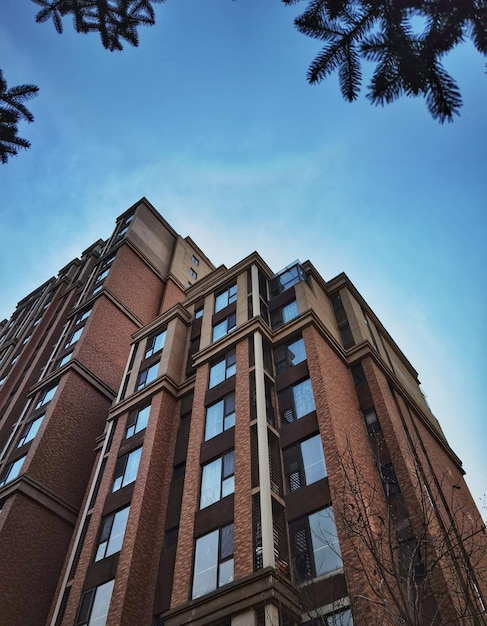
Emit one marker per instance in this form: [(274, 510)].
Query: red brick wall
[(172, 295), (184, 555), (243, 500), (30, 535), (137, 286), (344, 439)]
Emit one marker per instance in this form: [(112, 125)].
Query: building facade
[(188, 444)]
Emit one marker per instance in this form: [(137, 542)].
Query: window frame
[(87, 604), (133, 421), (226, 297), (221, 560), (46, 396), (26, 433), (295, 464), (284, 314), (306, 549), (14, 466), (81, 317), (230, 323), (120, 479), (143, 382), (225, 468), (226, 419), (108, 543), (229, 362), (290, 413), (74, 337), (155, 344), (284, 363)]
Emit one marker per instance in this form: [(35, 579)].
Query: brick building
[(185, 444)]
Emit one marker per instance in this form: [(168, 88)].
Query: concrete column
[(255, 290), (248, 618), (268, 556), (271, 615)]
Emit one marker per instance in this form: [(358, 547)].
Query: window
[(314, 545), (371, 421), (342, 321), (30, 431), (224, 327), (195, 260), (147, 376), (82, 316), (155, 344), (96, 290), (389, 480), (289, 354), (15, 359), (37, 322), (341, 618), (73, 338), (213, 561), (222, 370), (225, 298), (94, 605), (112, 532), (304, 463), (11, 471), (198, 313), (137, 421), (102, 276), (217, 479), (46, 396), (2, 380), (107, 262), (284, 314), (126, 469), (26, 340), (192, 273), (65, 359), (302, 401), (220, 416), (286, 279)]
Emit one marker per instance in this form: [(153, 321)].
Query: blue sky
[(212, 120)]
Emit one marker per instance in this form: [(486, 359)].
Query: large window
[(314, 545), (137, 421), (224, 327), (73, 337), (30, 431), (213, 561), (225, 298), (289, 354), (220, 416), (304, 463), (147, 375), (11, 471), (298, 401), (94, 605), (111, 535), (102, 276), (285, 279), (63, 360), (45, 397), (126, 469), (339, 618), (222, 370), (284, 314), (155, 344), (217, 479)]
